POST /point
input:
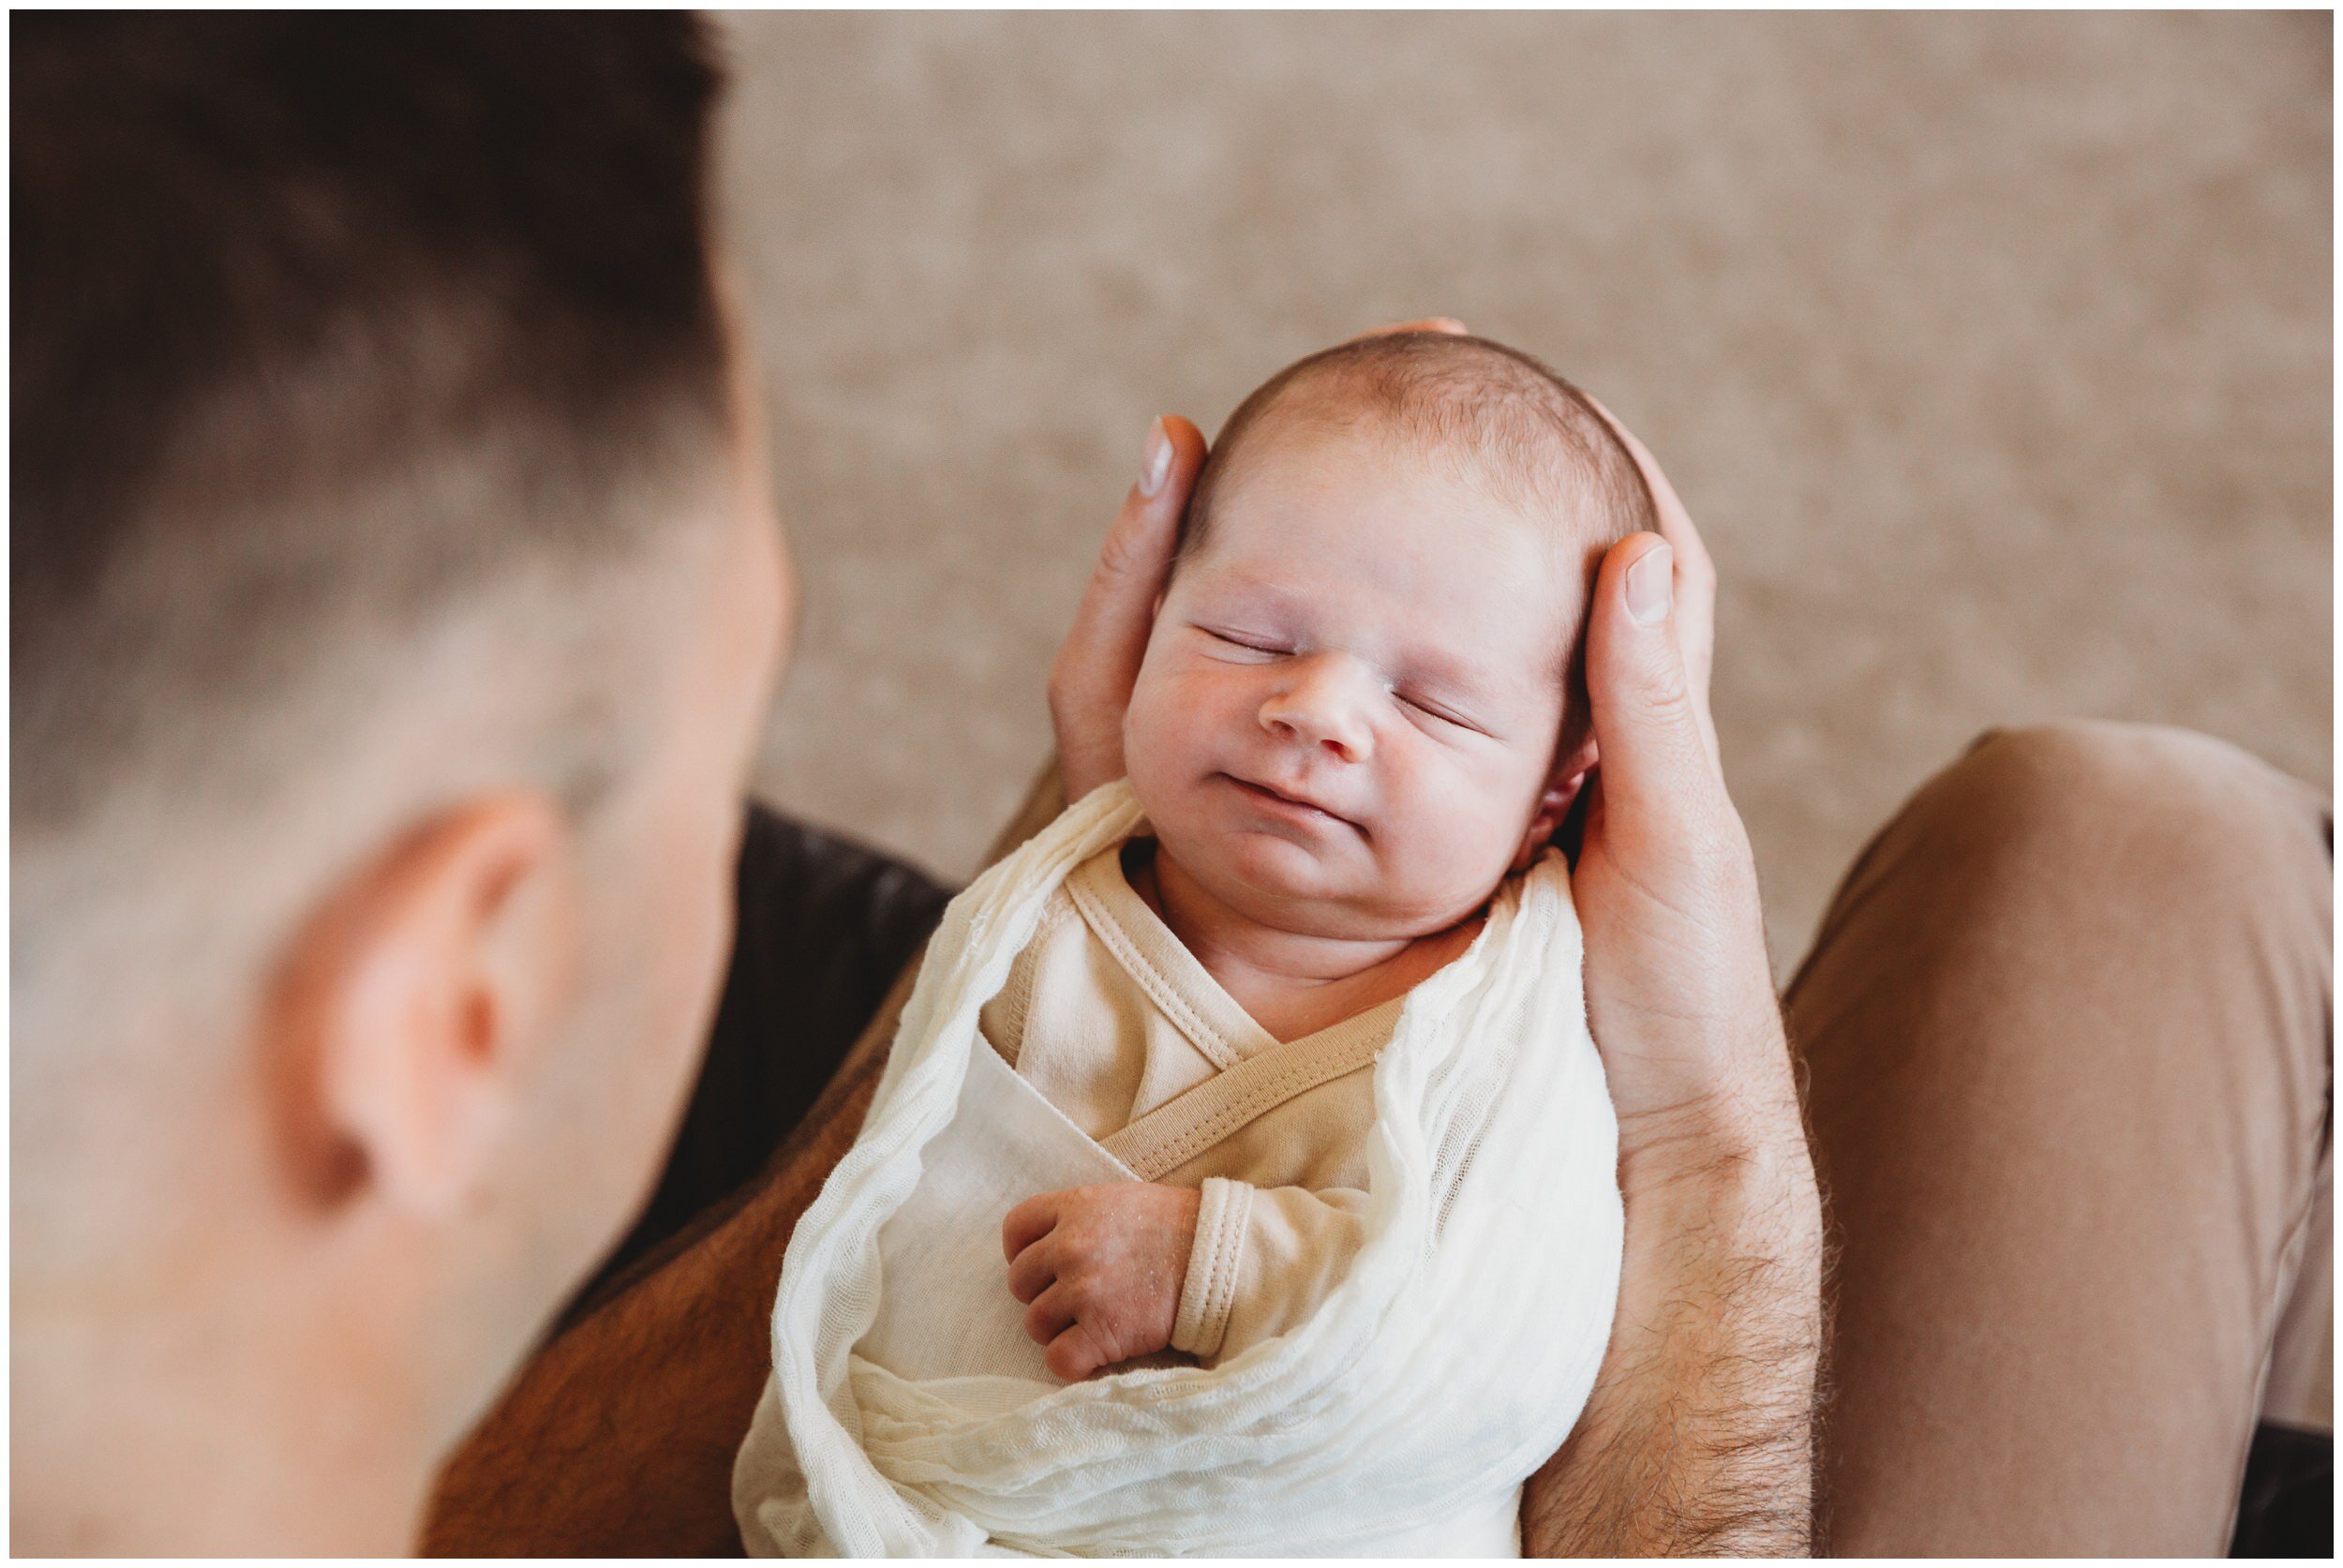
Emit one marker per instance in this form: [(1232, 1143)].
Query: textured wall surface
[(1992, 352)]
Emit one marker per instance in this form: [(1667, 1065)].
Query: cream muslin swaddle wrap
[(907, 1414)]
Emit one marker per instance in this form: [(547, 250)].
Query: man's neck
[(203, 1461), (1291, 982)]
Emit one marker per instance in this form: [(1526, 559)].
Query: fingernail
[(1652, 585), (1158, 467)]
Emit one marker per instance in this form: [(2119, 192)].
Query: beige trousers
[(2066, 1035)]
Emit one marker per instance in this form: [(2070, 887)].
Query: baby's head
[(1363, 700)]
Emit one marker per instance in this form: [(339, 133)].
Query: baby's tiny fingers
[(1031, 1271), (1049, 1316), (1027, 1223), (1074, 1354)]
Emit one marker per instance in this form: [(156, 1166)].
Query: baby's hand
[(1099, 1269)]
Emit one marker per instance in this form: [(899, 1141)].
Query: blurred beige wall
[(1992, 352)]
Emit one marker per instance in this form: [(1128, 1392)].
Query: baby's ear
[(1554, 802)]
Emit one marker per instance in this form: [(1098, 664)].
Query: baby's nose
[(1322, 704)]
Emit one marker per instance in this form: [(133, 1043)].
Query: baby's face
[(1348, 707)]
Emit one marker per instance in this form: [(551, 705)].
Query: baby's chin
[(1276, 882)]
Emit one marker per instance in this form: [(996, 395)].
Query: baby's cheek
[(1459, 839), (1150, 740)]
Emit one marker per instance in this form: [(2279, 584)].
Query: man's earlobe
[(412, 1005)]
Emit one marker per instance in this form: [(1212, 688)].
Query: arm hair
[(1700, 1437)]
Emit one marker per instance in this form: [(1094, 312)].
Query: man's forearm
[(1699, 1437), (618, 1438)]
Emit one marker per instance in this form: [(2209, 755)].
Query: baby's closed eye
[(1240, 642), (1431, 708)]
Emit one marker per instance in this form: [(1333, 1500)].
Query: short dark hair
[(1525, 430), (264, 264)]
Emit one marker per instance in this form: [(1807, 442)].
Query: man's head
[(396, 598), (1365, 695)]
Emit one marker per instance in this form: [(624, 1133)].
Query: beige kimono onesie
[(1114, 1020)]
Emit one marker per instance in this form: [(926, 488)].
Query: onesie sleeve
[(1262, 1260)]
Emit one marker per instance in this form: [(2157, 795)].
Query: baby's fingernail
[(1158, 467), (1652, 585)]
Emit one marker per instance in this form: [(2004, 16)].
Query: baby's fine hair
[(1501, 418), (1506, 419)]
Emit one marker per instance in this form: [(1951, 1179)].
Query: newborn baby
[(1363, 703), (1264, 1068)]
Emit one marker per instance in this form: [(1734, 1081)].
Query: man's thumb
[(1646, 730)]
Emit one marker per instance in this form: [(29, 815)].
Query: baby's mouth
[(1286, 805)]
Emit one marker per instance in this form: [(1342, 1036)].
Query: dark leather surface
[(2288, 1506)]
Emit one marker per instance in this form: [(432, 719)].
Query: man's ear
[(1561, 791), (413, 1003)]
